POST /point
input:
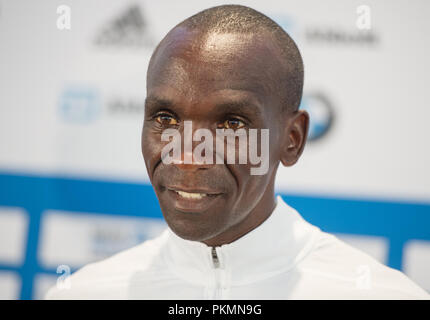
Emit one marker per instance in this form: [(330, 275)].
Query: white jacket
[(283, 258)]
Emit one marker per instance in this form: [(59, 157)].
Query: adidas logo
[(129, 29)]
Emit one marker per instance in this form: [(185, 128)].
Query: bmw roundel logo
[(321, 114)]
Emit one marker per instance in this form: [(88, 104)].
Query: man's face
[(216, 81)]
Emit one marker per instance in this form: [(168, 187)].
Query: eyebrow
[(153, 104), (245, 107)]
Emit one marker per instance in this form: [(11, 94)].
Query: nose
[(189, 161), (191, 166), (203, 157)]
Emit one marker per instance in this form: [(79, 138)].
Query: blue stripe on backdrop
[(396, 221)]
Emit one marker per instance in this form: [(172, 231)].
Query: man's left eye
[(233, 124)]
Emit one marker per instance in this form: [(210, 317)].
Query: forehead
[(196, 65)]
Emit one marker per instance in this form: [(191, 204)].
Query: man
[(229, 236)]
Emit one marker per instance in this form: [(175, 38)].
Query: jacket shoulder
[(351, 273)]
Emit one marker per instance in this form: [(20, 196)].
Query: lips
[(194, 190), (192, 200)]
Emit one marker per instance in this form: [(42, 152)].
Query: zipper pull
[(215, 258)]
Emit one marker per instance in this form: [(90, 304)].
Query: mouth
[(191, 195), (196, 200)]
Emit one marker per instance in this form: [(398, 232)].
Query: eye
[(233, 123), (166, 119)]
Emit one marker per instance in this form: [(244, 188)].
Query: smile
[(192, 200), (191, 195)]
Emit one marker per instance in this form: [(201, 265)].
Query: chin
[(186, 230)]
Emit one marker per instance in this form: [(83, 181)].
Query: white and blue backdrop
[(73, 185)]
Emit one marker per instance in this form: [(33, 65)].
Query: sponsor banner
[(417, 262), (10, 284), (13, 235), (76, 238)]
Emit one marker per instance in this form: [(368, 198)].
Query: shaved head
[(287, 82)]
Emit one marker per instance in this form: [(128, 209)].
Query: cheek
[(151, 149), (251, 187), (247, 187), (255, 186), (249, 193)]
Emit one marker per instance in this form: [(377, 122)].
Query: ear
[(295, 135)]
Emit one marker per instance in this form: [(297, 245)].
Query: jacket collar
[(273, 247)]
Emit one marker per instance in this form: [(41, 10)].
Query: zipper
[(215, 259), (216, 264)]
